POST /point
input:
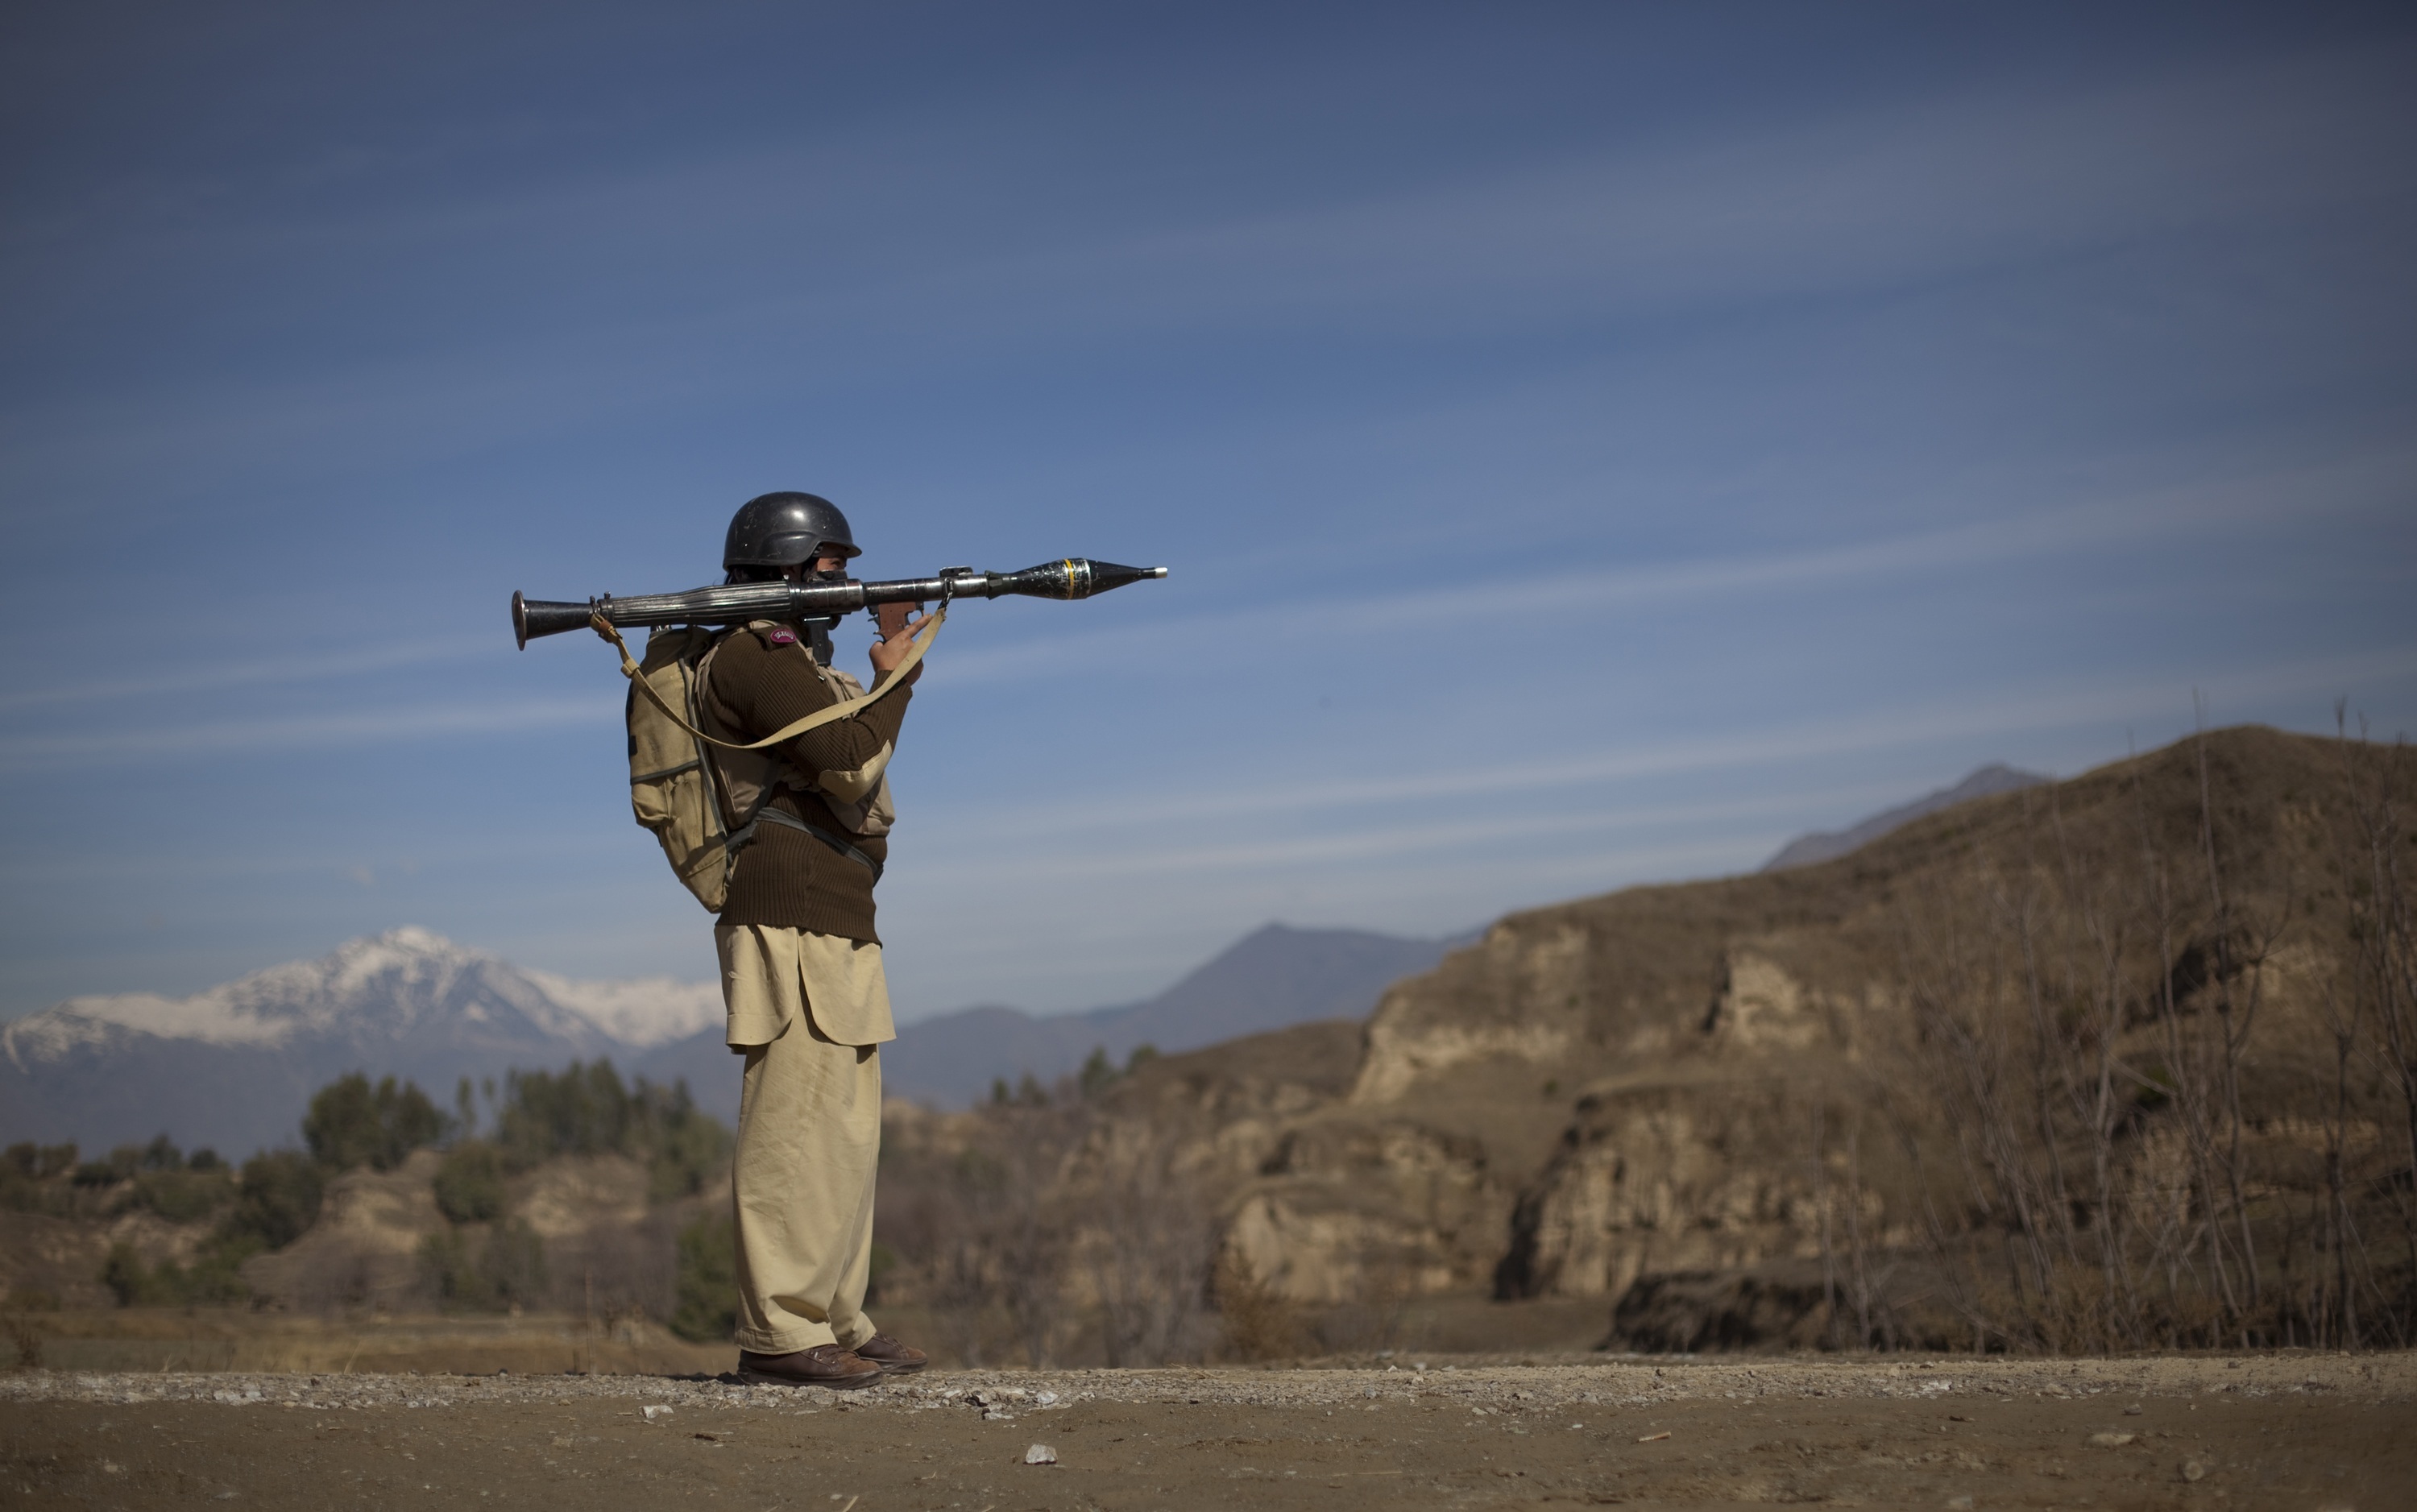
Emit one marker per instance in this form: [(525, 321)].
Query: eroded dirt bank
[(2291, 1431)]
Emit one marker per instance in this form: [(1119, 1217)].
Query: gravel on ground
[(2289, 1429)]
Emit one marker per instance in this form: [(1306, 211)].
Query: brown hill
[(2120, 1061)]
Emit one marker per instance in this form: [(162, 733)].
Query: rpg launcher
[(735, 603)]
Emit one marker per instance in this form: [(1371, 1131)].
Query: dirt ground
[(2290, 1430)]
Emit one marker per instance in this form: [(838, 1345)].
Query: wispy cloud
[(1997, 712), (2200, 511), (301, 732), (1393, 840), (212, 676), (1906, 189)]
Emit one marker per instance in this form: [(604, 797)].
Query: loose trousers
[(802, 1176)]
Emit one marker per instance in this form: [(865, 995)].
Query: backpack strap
[(769, 815), (841, 710)]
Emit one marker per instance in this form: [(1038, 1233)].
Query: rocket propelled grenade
[(735, 603)]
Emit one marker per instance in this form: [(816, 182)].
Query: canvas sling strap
[(816, 720)]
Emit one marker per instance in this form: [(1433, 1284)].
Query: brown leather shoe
[(891, 1356), (825, 1365)]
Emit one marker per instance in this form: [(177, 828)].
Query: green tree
[(352, 1123), (279, 1199), (586, 1110), (684, 1147)]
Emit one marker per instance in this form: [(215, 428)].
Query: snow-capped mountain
[(233, 1067)]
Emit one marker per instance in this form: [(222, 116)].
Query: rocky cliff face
[(1785, 1080)]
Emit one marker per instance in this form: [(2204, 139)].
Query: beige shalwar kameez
[(810, 1011)]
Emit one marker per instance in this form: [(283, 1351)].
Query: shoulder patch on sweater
[(780, 635)]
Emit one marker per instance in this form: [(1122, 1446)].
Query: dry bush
[(27, 1337), (1035, 1227), (1259, 1321), (2140, 1104), (610, 1270), (1147, 1241), (976, 1222)]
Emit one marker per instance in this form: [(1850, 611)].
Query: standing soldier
[(801, 966)]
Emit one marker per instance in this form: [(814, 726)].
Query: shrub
[(122, 1165), (28, 1340), (213, 1278), (184, 1195), (514, 1264), (706, 1309), (504, 1267), (28, 1178), (279, 1200), (127, 1278), (470, 1183), (688, 1149)]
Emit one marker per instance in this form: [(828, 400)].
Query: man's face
[(797, 573)]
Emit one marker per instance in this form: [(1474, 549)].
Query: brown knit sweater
[(786, 878)]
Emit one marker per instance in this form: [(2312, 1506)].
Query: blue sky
[(1592, 443)]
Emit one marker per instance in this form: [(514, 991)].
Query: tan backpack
[(700, 795)]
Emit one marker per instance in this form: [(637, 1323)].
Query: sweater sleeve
[(762, 688)]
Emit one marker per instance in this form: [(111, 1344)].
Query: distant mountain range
[(1271, 978), (1805, 850), (233, 1069)]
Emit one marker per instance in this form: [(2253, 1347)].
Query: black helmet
[(778, 530)]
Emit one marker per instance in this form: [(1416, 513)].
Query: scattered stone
[(653, 1413), (2193, 1470), (1040, 1454), (2110, 1440), (1655, 1438)]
